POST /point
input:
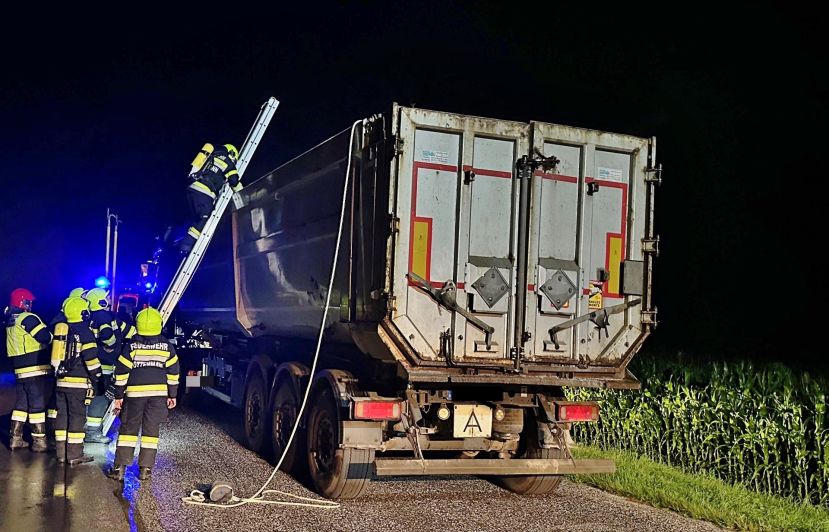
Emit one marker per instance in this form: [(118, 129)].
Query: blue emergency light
[(102, 282)]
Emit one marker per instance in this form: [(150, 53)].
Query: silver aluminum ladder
[(188, 267)]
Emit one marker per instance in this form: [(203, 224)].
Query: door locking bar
[(446, 296), (601, 318)]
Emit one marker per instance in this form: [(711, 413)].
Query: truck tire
[(336, 473), (284, 416), (530, 448), (257, 417)]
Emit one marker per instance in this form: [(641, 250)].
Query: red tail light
[(577, 411), (376, 410)]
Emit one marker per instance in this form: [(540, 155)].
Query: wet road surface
[(201, 443)]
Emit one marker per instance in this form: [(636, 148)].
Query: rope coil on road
[(197, 497)]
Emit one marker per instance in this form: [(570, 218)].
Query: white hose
[(197, 497)]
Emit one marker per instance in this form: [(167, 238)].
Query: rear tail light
[(567, 411), (376, 410)]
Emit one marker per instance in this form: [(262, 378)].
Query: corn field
[(763, 426)]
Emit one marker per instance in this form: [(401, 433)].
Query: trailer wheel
[(285, 410), (530, 448), (257, 417), (336, 473)]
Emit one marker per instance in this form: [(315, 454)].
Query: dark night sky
[(98, 115)]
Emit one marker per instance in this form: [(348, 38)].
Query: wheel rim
[(324, 453), (283, 423), (254, 413)]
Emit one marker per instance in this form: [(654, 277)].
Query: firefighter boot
[(39, 438), (116, 473), (80, 460), (16, 435), (94, 435), (144, 473)]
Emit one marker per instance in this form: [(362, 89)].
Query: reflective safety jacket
[(148, 367), (105, 329), (217, 169), (83, 364), (27, 344)]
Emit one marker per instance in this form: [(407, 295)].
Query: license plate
[(472, 421)]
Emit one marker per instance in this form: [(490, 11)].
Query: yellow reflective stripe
[(76, 437), (121, 380), (60, 435), (147, 388), (125, 440), (39, 417), (109, 342), (125, 361), (150, 393), (52, 413), (172, 380), (73, 379), (19, 415), (94, 418), (90, 345), (172, 361), (151, 358), (231, 174), (161, 352), (93, 364), (195, 233), (201, 187), (79, 385), (37, 329), (220, 163), (34, 370)]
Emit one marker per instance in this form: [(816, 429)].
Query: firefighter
[(27, 342), (146, 385), (211, 169), (105, 328), (52, 409), (77, 375)]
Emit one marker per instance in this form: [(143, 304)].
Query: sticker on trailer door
[(594, 302), (472, 421), (610, 174), (434, 156)]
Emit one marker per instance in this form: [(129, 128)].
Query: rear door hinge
[(651, 245)]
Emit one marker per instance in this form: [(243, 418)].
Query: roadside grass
[(700, 496)]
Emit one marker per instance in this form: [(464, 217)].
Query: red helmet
[(21, 298)]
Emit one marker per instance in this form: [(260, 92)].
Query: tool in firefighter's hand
[(599, 317), (447, 296), (112, 412)]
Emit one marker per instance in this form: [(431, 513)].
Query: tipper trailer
[(484, 265)]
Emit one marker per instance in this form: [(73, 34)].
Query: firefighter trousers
[(69, 425), (201, 205), (141, 415), (30, 403)]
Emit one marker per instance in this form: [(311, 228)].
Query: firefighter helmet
[(97, 298), (76, 310), (21, 298), (232, 152), (148, 322), (77, 292)]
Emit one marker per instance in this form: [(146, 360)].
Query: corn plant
[(763, 426)]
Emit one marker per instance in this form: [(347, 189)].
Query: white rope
[(197, 497)]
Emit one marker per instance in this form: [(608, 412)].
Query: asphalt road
[(201, 443)]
